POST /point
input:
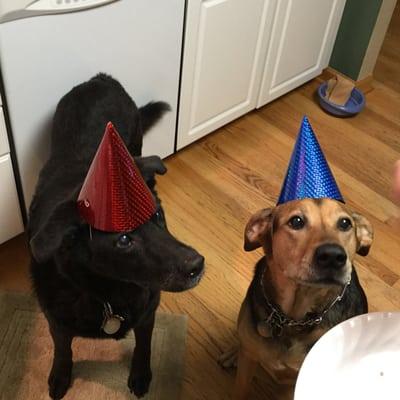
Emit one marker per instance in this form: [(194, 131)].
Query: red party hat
[(114, 196)]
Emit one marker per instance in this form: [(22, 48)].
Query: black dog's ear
[(47, 238), (364, 234), (257, 228), (149, 166), (151, 113)]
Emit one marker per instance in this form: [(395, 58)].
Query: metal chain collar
[(277, 319)]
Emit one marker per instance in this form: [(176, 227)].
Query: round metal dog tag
[(112, 325)]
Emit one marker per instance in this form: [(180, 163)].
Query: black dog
[(75, 272)]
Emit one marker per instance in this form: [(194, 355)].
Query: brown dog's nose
[(195, 266), (330, 256)]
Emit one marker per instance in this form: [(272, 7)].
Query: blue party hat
[(308, 174)]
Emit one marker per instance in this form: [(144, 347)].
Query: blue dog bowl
[(353, 106)]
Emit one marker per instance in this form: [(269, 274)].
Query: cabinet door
[(300, 45), (10, 215), (221, 64)]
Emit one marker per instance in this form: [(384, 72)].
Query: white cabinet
[(241, 54), (221, 64), (10, 215), (301, 42)]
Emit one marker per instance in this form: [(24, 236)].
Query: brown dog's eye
[(344, 224), (296, 223), (124, 241)]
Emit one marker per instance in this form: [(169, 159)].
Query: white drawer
[(10, 214), (4, 148)]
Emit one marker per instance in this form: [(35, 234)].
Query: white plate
[(357, 359)]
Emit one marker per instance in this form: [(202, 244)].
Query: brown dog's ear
[(364, 234), (257, 228)]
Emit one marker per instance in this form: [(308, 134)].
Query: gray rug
[(100, 367)]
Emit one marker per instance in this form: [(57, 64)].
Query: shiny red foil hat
[(114, 196)]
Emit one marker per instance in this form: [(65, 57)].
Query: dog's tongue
[(114, 196)]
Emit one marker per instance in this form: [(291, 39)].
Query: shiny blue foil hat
[(308, 174)]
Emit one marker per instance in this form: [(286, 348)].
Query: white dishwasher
[(49, 46)]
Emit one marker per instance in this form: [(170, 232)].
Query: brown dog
[(305, 284)]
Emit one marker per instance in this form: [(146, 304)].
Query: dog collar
[(277, 320)]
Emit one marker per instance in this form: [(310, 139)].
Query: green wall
[(355, 30)]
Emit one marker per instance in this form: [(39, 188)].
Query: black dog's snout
[(330, 256), (195, 266)]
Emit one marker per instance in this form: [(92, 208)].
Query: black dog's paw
[(59, 384), (139, 383)]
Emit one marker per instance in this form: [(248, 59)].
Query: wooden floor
[(213, 186)]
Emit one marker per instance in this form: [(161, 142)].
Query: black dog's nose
[(195, 266), (330, 256)]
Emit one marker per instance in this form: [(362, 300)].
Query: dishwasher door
[(42, 57)]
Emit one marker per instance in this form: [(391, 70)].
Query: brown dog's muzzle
[(330, 262), (330, 256)]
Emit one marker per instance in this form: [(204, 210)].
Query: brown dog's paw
[(59, 384), (139, 383), (229, 358)]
